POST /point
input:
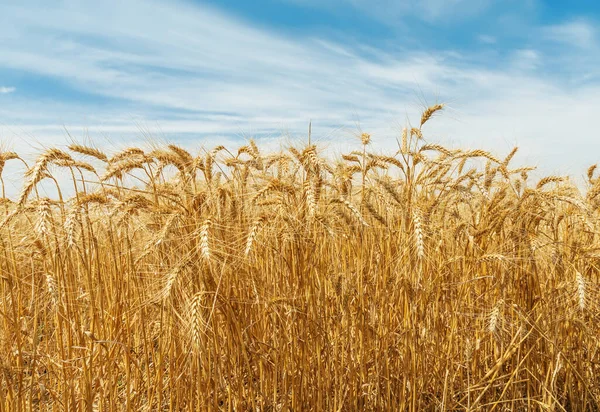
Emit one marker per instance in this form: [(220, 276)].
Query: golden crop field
[(431, 278)]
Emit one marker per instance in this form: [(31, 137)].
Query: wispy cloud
[(487, 39), (6, 90), (576, 33), (395, 12)]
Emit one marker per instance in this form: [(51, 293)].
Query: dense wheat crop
[(429, 278)]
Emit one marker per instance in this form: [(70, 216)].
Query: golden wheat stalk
[(196, 321), (590, 172), (38, 172), (42, 226), (549, 179), (71, 224), (355, 212), (418, 231), (204, 245), (252, 235), (404, 144), (88, 151), (128, 153), (4, 157), (52, 288), (365, 138), (494, 317), (311, 199), (171, 280), (581, 290), (429, 112)]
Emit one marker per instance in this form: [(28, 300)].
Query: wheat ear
[(204, 240), (252, 235)]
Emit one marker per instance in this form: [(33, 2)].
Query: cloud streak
[(577, 33), (6, 90), (393, 12)]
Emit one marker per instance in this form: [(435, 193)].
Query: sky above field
[(522, 72)]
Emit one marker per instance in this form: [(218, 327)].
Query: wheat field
[(430, 278)]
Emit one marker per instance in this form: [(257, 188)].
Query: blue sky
[(210, 72)]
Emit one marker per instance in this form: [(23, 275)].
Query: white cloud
[(526, 59), (576, 33), (487, 39), (178, 69), (442, 9), (6, 90), (393, 11)]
